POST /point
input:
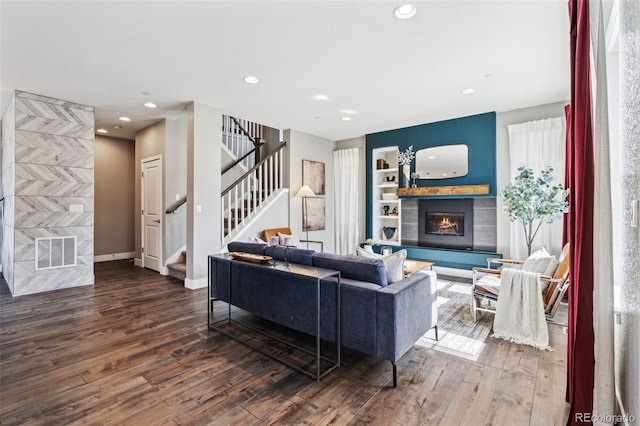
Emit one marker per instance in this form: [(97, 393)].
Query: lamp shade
[(305, 191)]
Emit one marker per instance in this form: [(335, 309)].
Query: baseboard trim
[(195, 284), (114, 256), (137, 262)]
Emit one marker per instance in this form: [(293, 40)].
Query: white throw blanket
[(519, 311)]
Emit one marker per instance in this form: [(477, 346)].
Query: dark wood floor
[(135, 349)]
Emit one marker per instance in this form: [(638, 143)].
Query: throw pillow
[(257, 240), (287, 240), (541, 263), (392, 263)]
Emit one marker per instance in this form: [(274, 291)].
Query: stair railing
[(251, 190), (176, 205), (240, 137)]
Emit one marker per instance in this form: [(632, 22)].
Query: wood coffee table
[(411, 266)]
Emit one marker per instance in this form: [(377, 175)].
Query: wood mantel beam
[(444, 190)]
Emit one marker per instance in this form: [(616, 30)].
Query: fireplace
[(446, 223)]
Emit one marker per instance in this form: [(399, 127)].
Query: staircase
[(178, 269), (241, 138), (261, 181), (243, 199)]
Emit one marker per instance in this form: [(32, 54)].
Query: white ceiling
[(391, 73)]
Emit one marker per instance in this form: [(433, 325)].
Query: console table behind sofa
[(378, 319)]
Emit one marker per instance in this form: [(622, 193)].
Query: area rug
[(457, 332)]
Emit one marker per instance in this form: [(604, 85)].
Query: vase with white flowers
[(404, 160)]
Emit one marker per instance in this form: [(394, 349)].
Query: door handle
[(157, 221)]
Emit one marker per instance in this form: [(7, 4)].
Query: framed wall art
[(314, 216), (313, 175)]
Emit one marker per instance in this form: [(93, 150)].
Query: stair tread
[(180, 266)]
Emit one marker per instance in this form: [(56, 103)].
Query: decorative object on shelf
[(414, 175), (534, 201), (394, 211), (380, 164), (391, 178), (385, 209), (389, 196), (404, 159), (313, 176), (388, 232)]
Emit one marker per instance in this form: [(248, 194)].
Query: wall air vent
[(55, 252)]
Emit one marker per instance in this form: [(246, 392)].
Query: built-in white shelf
[(379, 186)]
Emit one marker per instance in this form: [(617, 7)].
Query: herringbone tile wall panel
[(53, 150), (53, 170), (8, 188), (25, 240), (28, 280)]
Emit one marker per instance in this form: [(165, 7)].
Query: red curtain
[(580, 166)]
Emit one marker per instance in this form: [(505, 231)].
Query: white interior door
[(152, 213)]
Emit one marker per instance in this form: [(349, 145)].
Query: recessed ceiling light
[(445, 174), (117, 126), (251, 79), (431, 157), (321, 97), (347, 111), (123, 118), (468, 91), (405, 11), (346, 118), (150, 105), (101, 131)]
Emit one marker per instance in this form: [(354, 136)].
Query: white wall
[(204, 233), (175, 171), (302, 146), (503, 119)]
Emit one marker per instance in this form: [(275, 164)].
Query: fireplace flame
[(448, 225)]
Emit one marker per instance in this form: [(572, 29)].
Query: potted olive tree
[(534, 201)]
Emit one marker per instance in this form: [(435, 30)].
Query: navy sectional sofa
[(375, 318)]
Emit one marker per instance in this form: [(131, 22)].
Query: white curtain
[(346, 166), (604, 387), (536, 145)]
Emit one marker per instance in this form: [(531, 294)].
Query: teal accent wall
[(478, 132), (448, 258)]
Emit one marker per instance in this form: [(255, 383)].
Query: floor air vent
[(55, 252)]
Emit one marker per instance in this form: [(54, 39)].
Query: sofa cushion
[(293, 255), (393, 263), (252, 248), (353, 267)]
